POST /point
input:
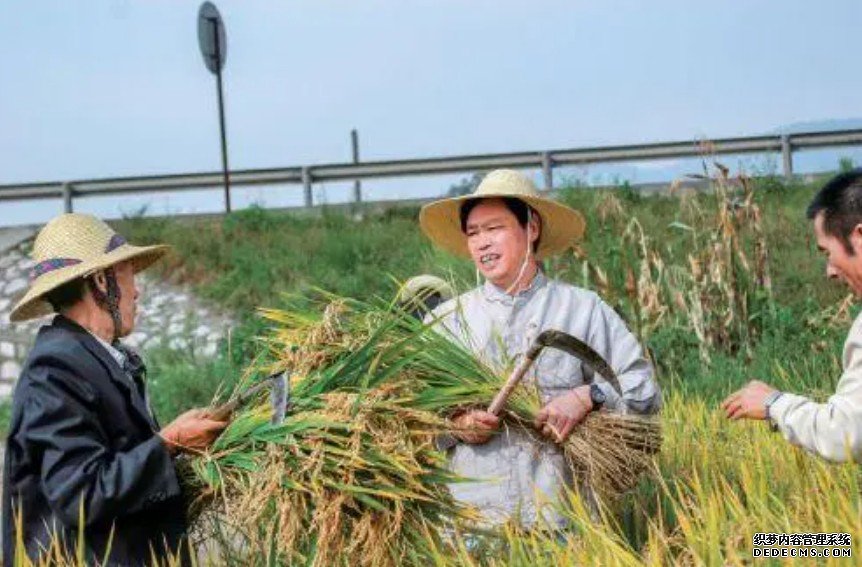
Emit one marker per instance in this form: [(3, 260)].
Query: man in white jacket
[(832, 430), (507, 227)]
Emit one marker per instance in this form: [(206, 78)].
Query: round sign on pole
[(213, 43), (211, 37)]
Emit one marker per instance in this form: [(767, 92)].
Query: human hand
[(192, 431), (748, 402), (475, 426), (559, 417)]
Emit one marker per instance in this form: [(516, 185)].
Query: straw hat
[(74, 246), (562, 226), (419, 287)]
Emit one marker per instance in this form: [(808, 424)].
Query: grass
[(245, 260), (251, 258)]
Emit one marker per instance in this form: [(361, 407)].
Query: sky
[(118, 88)]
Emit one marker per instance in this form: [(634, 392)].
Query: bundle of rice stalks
[(611, 451), (354, 480), (353, 474), (608, 451)]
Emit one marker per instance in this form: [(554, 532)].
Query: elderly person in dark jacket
[(84, 449)]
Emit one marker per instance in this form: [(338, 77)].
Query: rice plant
[(714, 486), (354, 475)]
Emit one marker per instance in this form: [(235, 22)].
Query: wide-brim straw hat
[(73, 246), (562, 226), (419, 287)]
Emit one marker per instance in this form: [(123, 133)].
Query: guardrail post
[(787, 157), (67, 197), (547, 170), (306, 183), (357, 184)]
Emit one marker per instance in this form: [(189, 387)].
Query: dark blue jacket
[(82, 444)]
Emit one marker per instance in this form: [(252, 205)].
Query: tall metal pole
[(787, 157), (306, 185), (357, 184), (67, 197), (548, 171), (224, 163)]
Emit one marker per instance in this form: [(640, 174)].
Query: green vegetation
[(251, 258), (721, 287), (248, 259)]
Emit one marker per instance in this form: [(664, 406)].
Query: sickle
[(561, 341)]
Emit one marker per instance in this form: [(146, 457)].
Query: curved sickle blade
[(279, 394), (279, 397), (582, 351)]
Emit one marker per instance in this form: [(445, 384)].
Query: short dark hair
[(66, 295), (517, 207), (840, 201)]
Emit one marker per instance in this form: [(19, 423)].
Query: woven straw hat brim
[(423, 285), (32, 305), (562, 226)]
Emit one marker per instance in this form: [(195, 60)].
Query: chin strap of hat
[(109, 300), (527, 255)]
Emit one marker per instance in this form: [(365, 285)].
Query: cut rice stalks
[(353, 475)]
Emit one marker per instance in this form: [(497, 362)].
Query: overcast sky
[(113, 88)]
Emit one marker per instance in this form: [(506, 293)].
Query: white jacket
[(832, 430), (513, 473)]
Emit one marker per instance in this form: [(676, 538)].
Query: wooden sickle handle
[(503, 395)]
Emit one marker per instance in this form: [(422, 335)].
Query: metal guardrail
[(546, 160)]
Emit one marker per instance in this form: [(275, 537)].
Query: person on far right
[(832, 430)]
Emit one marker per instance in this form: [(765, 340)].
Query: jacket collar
[(115, 371), (494, 293), (112, 350)]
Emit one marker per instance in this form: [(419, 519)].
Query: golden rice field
[(714, 487)]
